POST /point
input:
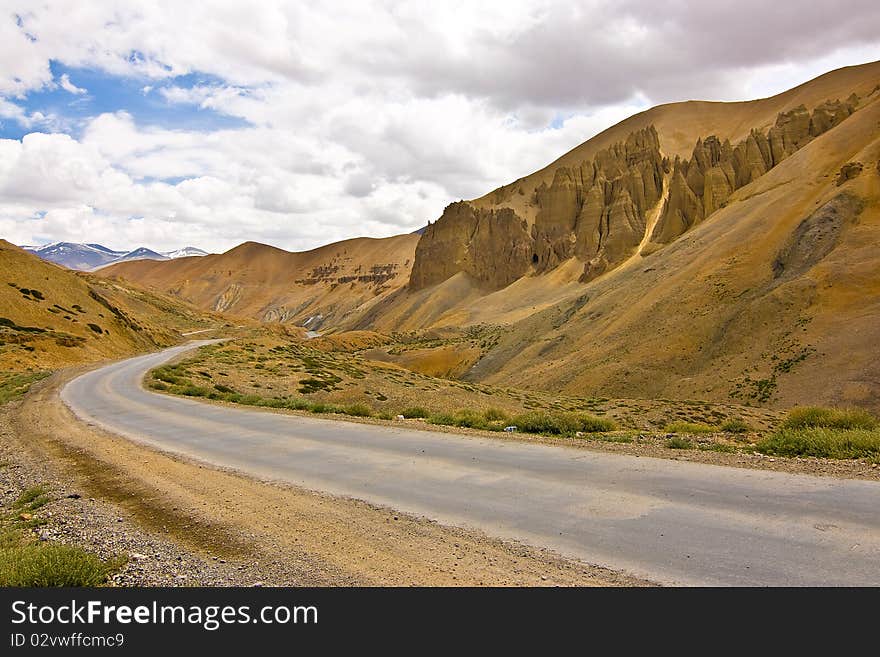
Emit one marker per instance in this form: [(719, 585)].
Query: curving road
[(670, 521)]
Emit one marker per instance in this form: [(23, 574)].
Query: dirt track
[(322, 540)]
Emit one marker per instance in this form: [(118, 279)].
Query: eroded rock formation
[(701, 185), (595, 212), (493, 246)]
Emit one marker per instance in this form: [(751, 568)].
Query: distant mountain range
[(87, 257)]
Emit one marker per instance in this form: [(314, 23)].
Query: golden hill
[(723, 251), (316, 288), (51, 316)]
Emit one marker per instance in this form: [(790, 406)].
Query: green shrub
[(470, 419), (358, 410), (190, 390), (51, 565), (495, 415), (385, 415), (298, 404), (414, 412), (676, 442), (689, 427), (735, 425), (822, 442), (561, 423), (32, 498), (445, 419), (812, 417), (222, 388), (321, 407)]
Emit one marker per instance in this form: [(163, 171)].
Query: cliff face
[(701, 185), (493, 246), (595, 212)]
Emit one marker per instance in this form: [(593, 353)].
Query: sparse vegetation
[(13, 386), (813, 417), (736, 425), (823, 442), (690, 427), (26, 562), (825, 433), (677, 442)]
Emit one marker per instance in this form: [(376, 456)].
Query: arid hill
[(720, 251), (51, 316), (322, 287)]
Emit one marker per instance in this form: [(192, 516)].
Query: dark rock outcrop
[(849, 171)]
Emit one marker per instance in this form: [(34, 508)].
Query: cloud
[(360, 118), (69, 87)]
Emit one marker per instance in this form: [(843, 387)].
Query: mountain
[(76, 256), (185, 252), (88, 257), (323, 287), (51, 316), (699, 250)]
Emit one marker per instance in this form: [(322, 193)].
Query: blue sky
[(104, 92)]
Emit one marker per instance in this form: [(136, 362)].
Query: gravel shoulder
[(181, 522)]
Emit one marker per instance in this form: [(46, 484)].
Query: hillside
[(51, 316), (322, 287), (701, 250)]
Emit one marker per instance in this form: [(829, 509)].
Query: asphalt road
[(670, 521)]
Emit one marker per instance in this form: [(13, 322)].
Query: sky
[(166, 124)]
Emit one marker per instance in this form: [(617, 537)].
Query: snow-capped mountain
[(87, 257), (185, 252)]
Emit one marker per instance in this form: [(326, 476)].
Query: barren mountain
[(51, 316), (723, 251), (322, 287)]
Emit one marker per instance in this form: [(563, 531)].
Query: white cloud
[(69, 86), (362, 117)]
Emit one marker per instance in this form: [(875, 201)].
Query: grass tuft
[(814, 417), (690, 427), (822, 442)]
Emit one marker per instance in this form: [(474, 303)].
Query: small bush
[(676, 442), (32, 499), (561, 424), (444, 419), (298, 404), (735, 425), (822, 442), (51, 565), (358, 410), (415, 412), (385, 415), (190, 390), (689, 427), (470, 419), (495, 415), (222, 388), (814, 417)]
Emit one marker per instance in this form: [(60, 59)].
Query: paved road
[(674, 522)]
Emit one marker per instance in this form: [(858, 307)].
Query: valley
[(668, 332)]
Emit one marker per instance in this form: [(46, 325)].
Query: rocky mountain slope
[(51, 316), (318, 288), (723, 251)]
